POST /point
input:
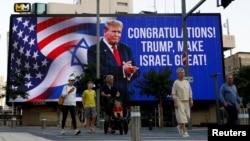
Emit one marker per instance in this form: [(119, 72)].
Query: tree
[(89, 74), (15, 86), (242, 81), (157, 84)]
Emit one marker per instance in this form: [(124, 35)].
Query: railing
[(5, 120)]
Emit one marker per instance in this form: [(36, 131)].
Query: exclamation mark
[(205, 59), (214, 32)]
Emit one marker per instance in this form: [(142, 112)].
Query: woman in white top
[(182, 96), (69, 104)]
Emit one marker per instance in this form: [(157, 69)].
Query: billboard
[(52, 47)]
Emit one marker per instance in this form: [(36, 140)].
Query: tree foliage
[(155, 83), (89, 74), (242, 81), (15, 85)]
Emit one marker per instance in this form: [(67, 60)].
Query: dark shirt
[(108, 90)]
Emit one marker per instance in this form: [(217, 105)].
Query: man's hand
[(175, 105), (225, 104), (191, 103), (117, 94), (129, 69), (71, 90), (241, 105)]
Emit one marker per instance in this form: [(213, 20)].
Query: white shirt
[(69, 98)]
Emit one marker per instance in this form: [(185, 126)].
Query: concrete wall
[(234, 62), (33, 115)]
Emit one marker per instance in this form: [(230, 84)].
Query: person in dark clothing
[(109, 93), (230, 98)]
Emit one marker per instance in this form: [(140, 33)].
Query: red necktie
[(117, 56)]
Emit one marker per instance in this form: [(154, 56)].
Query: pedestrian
[(182, 96), (116, 58), (69, 104), (89, 105), (109, 93), (229, 98)]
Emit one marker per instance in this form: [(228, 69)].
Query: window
[(122, 4), (39, 8)]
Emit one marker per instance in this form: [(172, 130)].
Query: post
[(150, 122), (185, 47), (44, 120), (98, 59), (135, 123), (13, 122), (185, 39), (215, 77)]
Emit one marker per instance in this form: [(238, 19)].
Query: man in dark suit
[(115, 58)]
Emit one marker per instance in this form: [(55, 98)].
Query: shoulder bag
[(60, 100)]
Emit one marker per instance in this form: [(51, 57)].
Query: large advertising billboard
[(52, 47)]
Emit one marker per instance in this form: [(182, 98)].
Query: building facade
[(85, 7), (234, 62)]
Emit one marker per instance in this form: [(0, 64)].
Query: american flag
[(51, 49)]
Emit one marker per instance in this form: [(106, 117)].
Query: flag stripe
[(62, 48), (51, 22)]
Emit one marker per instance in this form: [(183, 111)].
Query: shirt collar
[(106, 42)]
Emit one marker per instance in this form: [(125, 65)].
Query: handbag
[(60, 100)]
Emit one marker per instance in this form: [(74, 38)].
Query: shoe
[(77, 132), (93, 129), (185, 135), (62, 132), (179, 130)]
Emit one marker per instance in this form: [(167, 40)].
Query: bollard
[(135, 123), (44, 120), (102, 124), (13, 122), (150, 122)]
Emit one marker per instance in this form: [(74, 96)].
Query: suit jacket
[(109, 66), (108, 63)]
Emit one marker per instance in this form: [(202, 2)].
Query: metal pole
[(98, 59), (185, 48), (185, 40), (135, 123), (215, 77), (227, 23)]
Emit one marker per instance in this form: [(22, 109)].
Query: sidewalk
[(9, 136), (36, 133)]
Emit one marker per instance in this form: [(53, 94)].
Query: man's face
[(230, 79), (111, 81), (113, 34)]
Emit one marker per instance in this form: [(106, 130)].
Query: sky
[(234, 13)]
